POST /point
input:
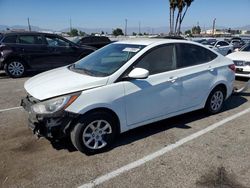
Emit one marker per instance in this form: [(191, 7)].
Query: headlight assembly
[(53, 105)]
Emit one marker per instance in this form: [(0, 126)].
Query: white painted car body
[(138, 102), (222, 47), (242, 62)]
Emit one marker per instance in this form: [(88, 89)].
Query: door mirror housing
[(138, 73)]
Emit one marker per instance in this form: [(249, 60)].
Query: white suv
[(123, 86)]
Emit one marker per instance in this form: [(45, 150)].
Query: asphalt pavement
[(219, 157)]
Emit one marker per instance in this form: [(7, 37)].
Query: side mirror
[(138, 73), (218, 46)]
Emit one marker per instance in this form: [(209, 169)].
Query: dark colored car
[(25, 51), (95, 41)]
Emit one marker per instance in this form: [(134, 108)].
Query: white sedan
[(242, 61), (125, 85), (220, 46)]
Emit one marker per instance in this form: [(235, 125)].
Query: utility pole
[(70, 25), (139, 28), (126, 24), (214, 26), (29, 24)]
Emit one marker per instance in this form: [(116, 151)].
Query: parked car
[(95, 41), (25, 51), (237, 44), (220, 46), (242, 61), (125, 85)]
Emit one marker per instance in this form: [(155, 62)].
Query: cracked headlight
[(53, 105)]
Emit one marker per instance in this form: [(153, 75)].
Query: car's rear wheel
[(94, 133), (215, 100), (15, 68)]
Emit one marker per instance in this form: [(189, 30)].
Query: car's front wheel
[(15, 68), (215, 100), (94, 133)]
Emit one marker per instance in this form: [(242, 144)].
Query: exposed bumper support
[(51, 126)]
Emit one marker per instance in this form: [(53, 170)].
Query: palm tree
[(172, 7), (180, 5), (187, 4)]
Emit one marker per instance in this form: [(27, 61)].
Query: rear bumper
[(51, 126)]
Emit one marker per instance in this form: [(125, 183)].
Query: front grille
[(239, 63)]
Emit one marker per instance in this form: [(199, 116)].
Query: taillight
[(232, 67)]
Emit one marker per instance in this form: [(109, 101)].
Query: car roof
[(26, 33), (150, 41)]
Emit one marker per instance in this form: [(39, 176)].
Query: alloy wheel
[(95, 134), (217, 100), (16, 68)]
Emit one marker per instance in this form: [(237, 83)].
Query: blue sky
[(55, 14)]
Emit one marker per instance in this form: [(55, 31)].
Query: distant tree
[(134, 34), (188, 32), (73, 32), (145, 33), (82, 33), (196, 30), (102, 33), (117, 32)]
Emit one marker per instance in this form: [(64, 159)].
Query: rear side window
[(159, 60), (190, 54), (222, 43), (30, 39), (10, 39)]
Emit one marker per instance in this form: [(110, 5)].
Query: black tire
[(215, 100), (83, 127), (15, 68)]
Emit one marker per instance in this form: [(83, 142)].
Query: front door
[(157, 95)]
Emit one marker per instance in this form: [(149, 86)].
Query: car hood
[(240, 56), (59, 82)]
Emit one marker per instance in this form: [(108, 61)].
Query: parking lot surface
[(217, 158)]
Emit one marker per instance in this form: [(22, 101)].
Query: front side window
[(107, 60), (190, 54), (159, 60), (56, 42), (30, 39), (10, 39)]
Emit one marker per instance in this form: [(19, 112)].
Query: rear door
[(196, 74), (157, 95), (34, 50)]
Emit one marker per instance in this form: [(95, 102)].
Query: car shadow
[(3, 75), (180, 122)]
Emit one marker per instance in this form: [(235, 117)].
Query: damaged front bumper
[(50, 126)]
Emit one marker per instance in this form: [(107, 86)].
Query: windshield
[(246, 48), (107, 60)]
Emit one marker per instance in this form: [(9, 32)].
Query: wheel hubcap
[(95, 134), (16, 68), (216, 100)]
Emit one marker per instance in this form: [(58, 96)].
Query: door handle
[(172, 79), (210, 68)]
